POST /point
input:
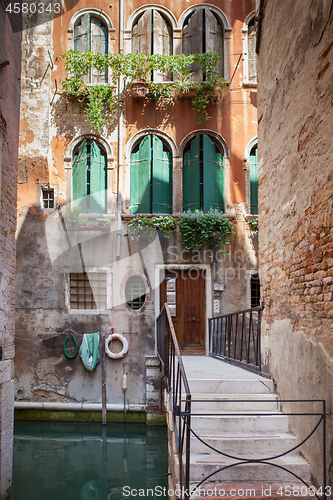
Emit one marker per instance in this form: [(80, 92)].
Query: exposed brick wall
[(302, 285), (295, 206), (9, 134)]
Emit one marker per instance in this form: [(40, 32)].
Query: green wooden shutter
[(162, 179), (140, 178), (97, 179), (212, 176), (191, 176), (253, 160), (80, 176)]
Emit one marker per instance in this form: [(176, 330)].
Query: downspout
[(120, 128)]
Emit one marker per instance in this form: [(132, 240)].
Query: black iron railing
[(291, 408), (179, 394), (182, 403), (236, 337)]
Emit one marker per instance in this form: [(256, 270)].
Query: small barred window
[(255, 290), (88, 291), (48, 197)]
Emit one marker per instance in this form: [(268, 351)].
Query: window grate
[(48, 198), (135, 292), (88, 291), (255, 290)]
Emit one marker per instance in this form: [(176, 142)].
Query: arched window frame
[(169, 16), (221, 142), (245, 31), (139, 138), (251, 144), (95, 13), (226, 32), (110, 164), (176, 168)]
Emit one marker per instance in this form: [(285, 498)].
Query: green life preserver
[(68, 356)]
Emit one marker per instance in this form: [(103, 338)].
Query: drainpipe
[(120, 127)]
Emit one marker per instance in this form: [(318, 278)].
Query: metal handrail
[(236, 338), (176, 384)]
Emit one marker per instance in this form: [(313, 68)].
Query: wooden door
[(184, 291)]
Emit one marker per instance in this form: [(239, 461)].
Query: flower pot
[(139, 91)]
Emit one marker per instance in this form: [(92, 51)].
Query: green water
[(61, 461)]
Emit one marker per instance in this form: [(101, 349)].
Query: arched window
[(203, 32), (151, 177), (253, 167), (249, 50), (152, 34), (89, 176), (202, 175), (90, 33)]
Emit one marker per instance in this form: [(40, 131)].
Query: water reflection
[(62, 461)]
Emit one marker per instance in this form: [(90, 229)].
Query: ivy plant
[(101, 99), (145, 224), (199, 230)]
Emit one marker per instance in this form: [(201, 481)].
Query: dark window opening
[(48, 197), (255, 291), (88, 291), (135, 292)]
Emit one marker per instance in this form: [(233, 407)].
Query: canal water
[(65, 461)]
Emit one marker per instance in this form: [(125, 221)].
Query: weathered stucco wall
[(50, 128), (9, 128), (295, 203)]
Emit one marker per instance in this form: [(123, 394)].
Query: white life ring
[(124, 350)]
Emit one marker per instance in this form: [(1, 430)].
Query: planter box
[(186, 96), (139, 91)]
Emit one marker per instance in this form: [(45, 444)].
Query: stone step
[(245, 444), (214, 386), (250, 491), (203, 465), (263, 423), (234, 402)]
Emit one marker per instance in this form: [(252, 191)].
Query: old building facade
[(10, 64), (295, 208), (149, 157)]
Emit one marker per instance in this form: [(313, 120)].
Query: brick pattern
[(7, 245), (301, 283)]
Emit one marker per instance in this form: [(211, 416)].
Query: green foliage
[(101, 99), (143, 224), (199, 230)]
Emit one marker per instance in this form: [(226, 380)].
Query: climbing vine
[(101, 100)]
